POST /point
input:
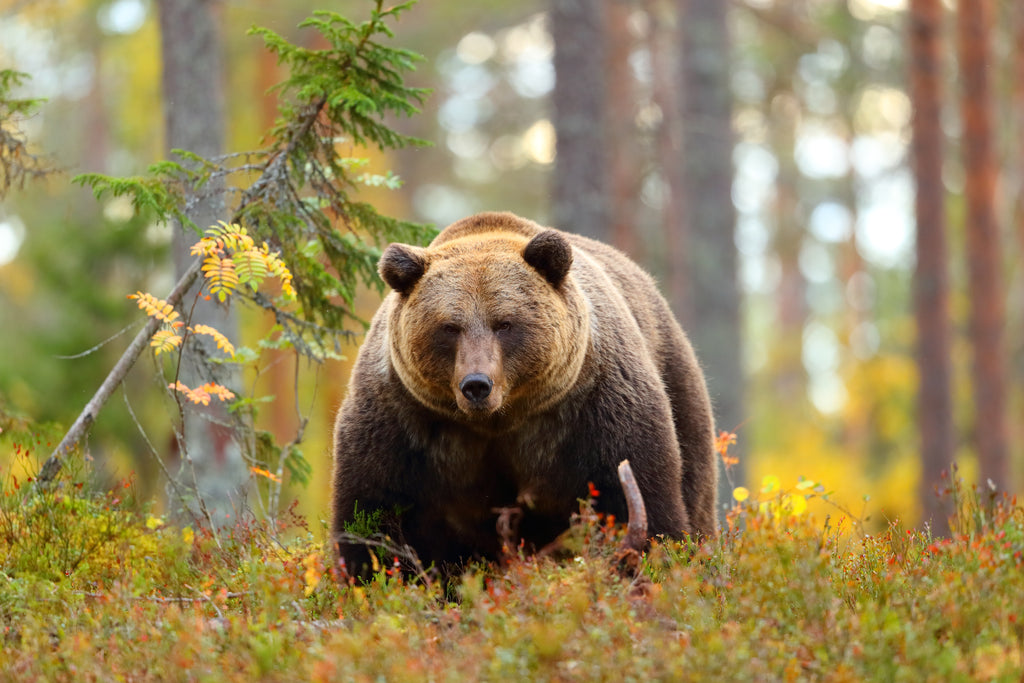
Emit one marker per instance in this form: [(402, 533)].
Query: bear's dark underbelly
[(480, 492)]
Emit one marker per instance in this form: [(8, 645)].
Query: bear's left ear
[(401, 266), (550, 255)]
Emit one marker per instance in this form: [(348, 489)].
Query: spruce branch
[(17, 163)]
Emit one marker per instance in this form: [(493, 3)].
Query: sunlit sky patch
[(866, 10), (12, 233), (122, 16)]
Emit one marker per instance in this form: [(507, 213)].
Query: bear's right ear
[(551, 255), (401, 266)]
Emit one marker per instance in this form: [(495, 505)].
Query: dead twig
[(164, 600), (636, 531), (628, 555), (404, 553), (508, 528)]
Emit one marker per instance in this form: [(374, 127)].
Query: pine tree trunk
[(988, 314), (663, 45), (621, 141), (580, 191), (931, 278), (1017, 18), (709, 214), (194, 119)]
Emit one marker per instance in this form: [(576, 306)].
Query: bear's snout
[(476, 387), (477, 380)]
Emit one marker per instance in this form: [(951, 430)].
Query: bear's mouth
[(477, 409)]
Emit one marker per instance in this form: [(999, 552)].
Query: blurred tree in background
[(580, 188), (984, 241), (193, 97), (710, 308), (808, 110), (931, 276)]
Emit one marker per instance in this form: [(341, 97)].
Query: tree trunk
[(931, 278), (580, 192), (708, 211), (988, 311), (663, 42), (790, 377), (1017, 360), (194, 117), (623, 173)]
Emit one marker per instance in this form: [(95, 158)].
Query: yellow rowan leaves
[(232, 258), (155, 308), (251, 266), (165, 340), (220, 275), (202, 395), (223, 343), (265, 473)]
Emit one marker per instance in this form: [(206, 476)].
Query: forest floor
[(94, 587)]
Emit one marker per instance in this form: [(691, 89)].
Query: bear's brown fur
[(510, 366)]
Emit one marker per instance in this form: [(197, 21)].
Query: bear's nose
[(476, 386)]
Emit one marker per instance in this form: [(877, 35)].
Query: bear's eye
[(503, 326), (450, 329)]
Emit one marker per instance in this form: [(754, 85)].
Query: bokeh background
[(755, 155)]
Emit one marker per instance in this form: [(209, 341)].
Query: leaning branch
[(273, 172), (88, 415)]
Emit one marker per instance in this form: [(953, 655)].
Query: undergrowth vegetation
[(93, 586)]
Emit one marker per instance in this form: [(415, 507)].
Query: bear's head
[(488, 326)]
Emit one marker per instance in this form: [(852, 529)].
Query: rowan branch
[(273, 172)]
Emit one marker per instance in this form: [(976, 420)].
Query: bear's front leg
[(635, 426)]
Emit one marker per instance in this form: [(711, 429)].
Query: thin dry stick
[(88, 415), (163, 600), (159, 461), (636, 531)]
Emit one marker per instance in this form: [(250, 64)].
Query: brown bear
[(510, 366)]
